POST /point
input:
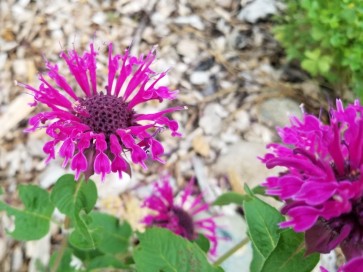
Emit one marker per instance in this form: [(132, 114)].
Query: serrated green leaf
[(105, 261), (230, 198), (289, 255), (71, 196), (262, 220), (114, 237), (31, 223), (162, 250), (202, 242)]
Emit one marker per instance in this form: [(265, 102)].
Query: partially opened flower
[(184, 215), (95, 127), (323, 185)]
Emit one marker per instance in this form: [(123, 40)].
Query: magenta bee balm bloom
[(323, 186), (96, 128), (180, 215)]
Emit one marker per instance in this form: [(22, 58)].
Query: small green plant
[(326, 36)]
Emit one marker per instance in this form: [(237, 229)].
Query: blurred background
[(231, 73)]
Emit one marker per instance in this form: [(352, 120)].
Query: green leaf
[(71, 196), (229, 198), (106, 261), (310, 66), (262, 221), (257, 260), (64, 263), (84, 236), (289, 255), (162, 250), (32, 223), (259, 190), (202, 242), (114, 238)]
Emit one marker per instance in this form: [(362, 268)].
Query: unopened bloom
[(323, 185), (183, 215), (96, 127)]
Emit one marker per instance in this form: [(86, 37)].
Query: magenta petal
[(67, 150), (302, 218), (156, 150), (102, 165), (315, 193), (354, 265), (79, 164)]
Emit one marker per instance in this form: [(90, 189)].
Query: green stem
[(62, 248), (230, 252)]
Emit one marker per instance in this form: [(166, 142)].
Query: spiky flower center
[(186, 222), (104, 113)]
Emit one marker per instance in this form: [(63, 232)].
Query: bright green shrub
[(327, 37)]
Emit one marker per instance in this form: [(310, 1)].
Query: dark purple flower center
[(104, 113), (186, 222)]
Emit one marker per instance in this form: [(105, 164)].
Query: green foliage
[(326, 36), (202, 242), (229, 198), (115, 237), (76, 200), (274, 249), (31, 223), (162, 250), (262, 220), (289, 255)]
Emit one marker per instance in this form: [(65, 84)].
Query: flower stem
[(230, 252), (62, 248)]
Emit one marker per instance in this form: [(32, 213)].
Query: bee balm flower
[(180, 215), (323, 186), (95, 128)]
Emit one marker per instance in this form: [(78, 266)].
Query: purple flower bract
[(95, 128), (323, 185), (180, 215)]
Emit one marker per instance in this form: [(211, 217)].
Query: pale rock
[(193, 20), (99, 18), (277, 111), (258, 132), (199, 77), (241, 121), (258, 9), (3, 57), (225, 3), (17, 258), (20, 67), (187, 48), (211, 119), (51, 174), (242, 159), (112, 185), (38, 251)]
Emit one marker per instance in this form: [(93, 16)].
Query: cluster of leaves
[(274, 249), (100, 240), (326, 36)]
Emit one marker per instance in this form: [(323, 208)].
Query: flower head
[(95, 128), (323, 186), (180, 215)]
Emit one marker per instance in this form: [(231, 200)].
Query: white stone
[(199, 77), (256, 10), (192, 20)]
